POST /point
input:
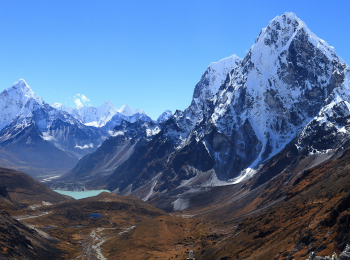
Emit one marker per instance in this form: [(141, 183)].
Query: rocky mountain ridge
[(105, 116), (285, 82)]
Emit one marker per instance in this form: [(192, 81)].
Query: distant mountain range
[(107, 116), (40, 139)]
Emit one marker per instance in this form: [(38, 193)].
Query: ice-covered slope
[(214, 77), (238, 120), (184, 121)]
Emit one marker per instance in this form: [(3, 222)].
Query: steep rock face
[(282, 84), (123, 140), (329, 130), (259, 107), (324, 137), (183, 123)]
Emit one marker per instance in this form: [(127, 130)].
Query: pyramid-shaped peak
[(22, 81), (107, 103), (127, 110), (280, 33), (287, 23), (126, 107), (164, 116), (107, 106), (281, 29), (21, 84), (21, 89)]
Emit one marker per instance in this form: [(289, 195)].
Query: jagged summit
[(21, 89), (279, 35), (21, 83), (108, 103), (164, 116), (223, 63), (213, 77), (105, 115), (127, 110)]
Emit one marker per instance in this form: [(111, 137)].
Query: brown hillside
[(25, 191), (288, 217)]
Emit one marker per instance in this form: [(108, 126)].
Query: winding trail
[(92, 250), (23, 217)]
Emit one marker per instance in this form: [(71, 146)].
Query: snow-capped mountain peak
[(164, 116), (105, 116), (107, 104), (21, 90), (88, 115), (221, 69), (14, 99), (277, 37), (213, 77), (127, 110), (57, 105)]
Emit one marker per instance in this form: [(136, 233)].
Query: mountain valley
[(256, 167)]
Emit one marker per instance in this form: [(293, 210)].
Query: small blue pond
[(48, 227), (95, 215)]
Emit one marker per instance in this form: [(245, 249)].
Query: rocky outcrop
[(18, 241), (345, 255), (3, 190)]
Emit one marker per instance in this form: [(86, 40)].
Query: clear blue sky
[(148, 54)]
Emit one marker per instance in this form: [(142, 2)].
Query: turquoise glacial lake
[(81, 194)]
